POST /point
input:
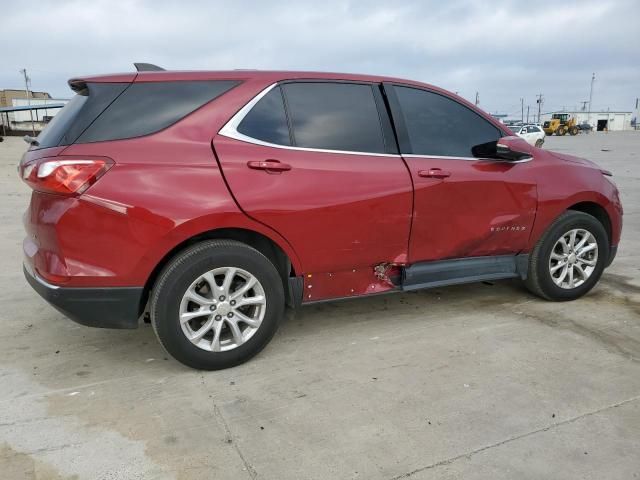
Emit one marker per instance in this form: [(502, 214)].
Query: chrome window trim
[(230, 130), (468, 159)]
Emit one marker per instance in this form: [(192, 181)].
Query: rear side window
[(267, 120), (438, 125), (334, 116), (148, 107), (67, 125)]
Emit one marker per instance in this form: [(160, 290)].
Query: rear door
[(317, 162), (465, 205)]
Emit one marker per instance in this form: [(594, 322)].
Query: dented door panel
[(339, 211), (484, 207)]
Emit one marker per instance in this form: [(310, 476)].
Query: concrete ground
[(468, 382)]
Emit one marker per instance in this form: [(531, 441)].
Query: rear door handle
[(269, 165), (434, 173)]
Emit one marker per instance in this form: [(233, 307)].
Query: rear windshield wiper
[(31, 140)]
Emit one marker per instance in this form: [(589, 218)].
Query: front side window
[(334, 116), (438, 125), (267, 120)]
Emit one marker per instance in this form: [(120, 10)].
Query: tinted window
[(148, 107), (267, 120), (438, 125), (59, 124), (67, 125), (334, 116)]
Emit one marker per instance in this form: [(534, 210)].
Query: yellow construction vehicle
[(560, 124)]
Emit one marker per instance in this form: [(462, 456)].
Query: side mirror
[(513, 149)]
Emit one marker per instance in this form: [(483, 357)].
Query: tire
[(222, 258), (573, 131), (539, 143), (540, 280), (561, 131)]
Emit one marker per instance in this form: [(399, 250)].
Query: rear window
[(146, 108), (112, 111), (334, 116)]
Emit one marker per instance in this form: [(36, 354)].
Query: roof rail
[(148, 67)]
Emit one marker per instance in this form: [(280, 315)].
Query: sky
[(504, 50)]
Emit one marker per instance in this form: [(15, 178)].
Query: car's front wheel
[(539, 143), (569, 258), (217, 304)]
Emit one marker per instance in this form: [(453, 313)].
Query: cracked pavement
[(467, 382)]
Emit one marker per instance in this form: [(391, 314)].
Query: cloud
[(504, 50)]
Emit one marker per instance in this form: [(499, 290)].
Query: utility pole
[(593, 79), (522, 110), (27, 80), (527, 113), (477, 98), (539, 101), (584, 105)]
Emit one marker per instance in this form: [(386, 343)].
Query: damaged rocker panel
[(389, 277)]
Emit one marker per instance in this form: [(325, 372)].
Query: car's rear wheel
[(217, 304), (569, 258)]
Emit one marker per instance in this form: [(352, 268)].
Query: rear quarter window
[(67, 125), (149, 107)]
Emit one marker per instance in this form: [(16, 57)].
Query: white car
[(533, 134)]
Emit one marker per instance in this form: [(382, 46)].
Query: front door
[(323, 172), (464, 206)]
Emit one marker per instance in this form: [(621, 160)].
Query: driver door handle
[(434, 173), (269, 165)]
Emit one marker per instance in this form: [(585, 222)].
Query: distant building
[(21, 120), (612, 121), (7, 96)]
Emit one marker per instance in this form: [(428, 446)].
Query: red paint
[(340, 211), (331, 213), (453, 216)]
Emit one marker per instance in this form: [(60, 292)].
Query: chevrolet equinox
[(211, 201)]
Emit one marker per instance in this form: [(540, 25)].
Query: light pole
[(539, 101), (26, 89), (593, 79)]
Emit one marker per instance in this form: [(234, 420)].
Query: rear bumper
[(106, 307)]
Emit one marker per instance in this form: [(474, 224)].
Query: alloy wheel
[(222, 309), (573, 258)]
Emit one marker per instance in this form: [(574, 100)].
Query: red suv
[(212, 200)]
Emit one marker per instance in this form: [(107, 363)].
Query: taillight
[(64, 175)]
